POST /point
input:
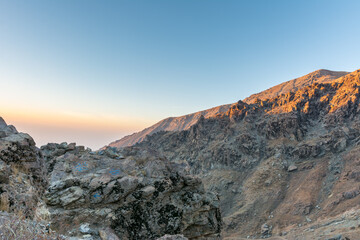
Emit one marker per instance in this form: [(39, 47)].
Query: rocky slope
[(104, 195), (169, 124), (319, 76), (281, 165), (185, 122)]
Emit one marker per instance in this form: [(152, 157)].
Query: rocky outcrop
[(135, 198), (22, 172), (318, 76), (82, 194)]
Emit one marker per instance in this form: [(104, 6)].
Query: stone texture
[(173, 237), (105, 196), (22, 172)]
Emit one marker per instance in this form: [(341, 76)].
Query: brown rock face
[(245, 153), (185, 122), (169, 124)]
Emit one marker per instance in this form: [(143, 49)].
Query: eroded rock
[(136, 199)]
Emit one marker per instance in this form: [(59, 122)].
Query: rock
[(85, 228), (2, 123), (351, 194), (147, 191), (71, 146), (70, 195), (337, 237), (108, 234), (265, 230), (130, 199), (6, 130), (292, 168), (173, 237), (4, 172), (22, 172), (112, 152)]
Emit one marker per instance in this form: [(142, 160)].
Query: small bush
[(18, 228)]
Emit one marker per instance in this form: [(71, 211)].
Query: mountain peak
[(186, 121), (319, 76)]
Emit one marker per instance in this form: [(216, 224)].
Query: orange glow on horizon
[(93, 131), (71, 120)]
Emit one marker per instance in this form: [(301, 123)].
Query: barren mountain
[(287, 166), (169, 124), (186, 121)]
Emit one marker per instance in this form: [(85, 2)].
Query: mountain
[(280, 167), (186, 121), (169, 124), (319, 76), (285, 166)]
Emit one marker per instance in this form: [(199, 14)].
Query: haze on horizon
[(91, 72)]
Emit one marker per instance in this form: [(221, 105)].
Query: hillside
[(169, 124), (285, 166), (186, 121)]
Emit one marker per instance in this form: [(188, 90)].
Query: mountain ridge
[(282, 166), (186, 121)]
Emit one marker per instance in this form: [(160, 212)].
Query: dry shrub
[(4, 202), (17, 227)]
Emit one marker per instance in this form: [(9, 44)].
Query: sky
[(91, 72)]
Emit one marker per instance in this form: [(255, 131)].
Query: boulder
[(106, 197), (22, 172), (292, 168)]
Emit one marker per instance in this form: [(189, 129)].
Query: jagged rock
[(22, 172), (136, 199), (108, 234), (265, 230), (6, 130)]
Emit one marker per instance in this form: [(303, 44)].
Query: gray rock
[(85, 228), (173, 237), (130, 199), (292, 168), (2, 123), (108, 234), (337, 237), (265, 230)]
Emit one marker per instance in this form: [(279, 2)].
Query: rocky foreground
[(64, 191)]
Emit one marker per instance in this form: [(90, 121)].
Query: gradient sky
[(93, 71)]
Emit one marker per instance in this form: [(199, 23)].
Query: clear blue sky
[(137, 62)]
